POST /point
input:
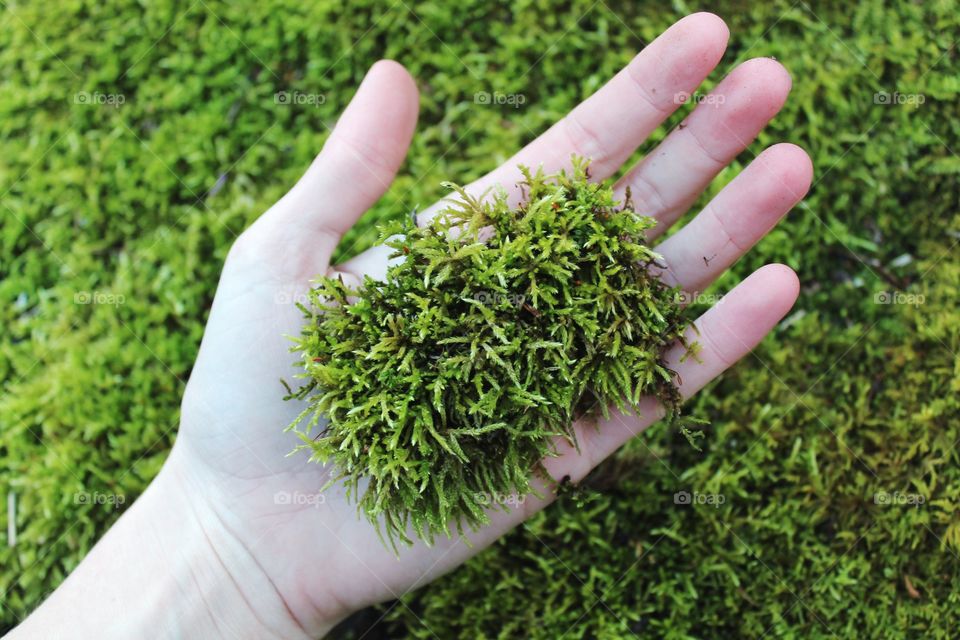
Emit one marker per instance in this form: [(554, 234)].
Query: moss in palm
[(450, 381)]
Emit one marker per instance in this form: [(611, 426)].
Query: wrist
[(229, 593), (166, 569)]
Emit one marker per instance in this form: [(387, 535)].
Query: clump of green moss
[(449, 382)]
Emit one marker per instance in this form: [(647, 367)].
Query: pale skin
[(210, 551)]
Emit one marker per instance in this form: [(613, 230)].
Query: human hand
[(295, 561)]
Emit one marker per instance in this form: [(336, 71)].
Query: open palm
[(316, 559)]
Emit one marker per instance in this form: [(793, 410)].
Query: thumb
[(354, 168)]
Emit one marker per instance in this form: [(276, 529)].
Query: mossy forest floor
[(137, 139)]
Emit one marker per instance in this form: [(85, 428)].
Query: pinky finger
[(725, 333)]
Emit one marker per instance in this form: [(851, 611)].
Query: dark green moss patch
[(452, 379)]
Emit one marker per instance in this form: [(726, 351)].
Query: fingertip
[(389, 65), (702, 36), (394, 80), (380, 119), (791, 167), (736, 324), (783, 274), (749, 312), (768, 80), (387, 68), (739, 107), (798, 161), (705, 22), (782, 73), (392, 70), (774, 288)]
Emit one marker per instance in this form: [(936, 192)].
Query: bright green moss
[(451, 380)]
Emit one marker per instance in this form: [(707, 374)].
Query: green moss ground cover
[(116, 219)]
